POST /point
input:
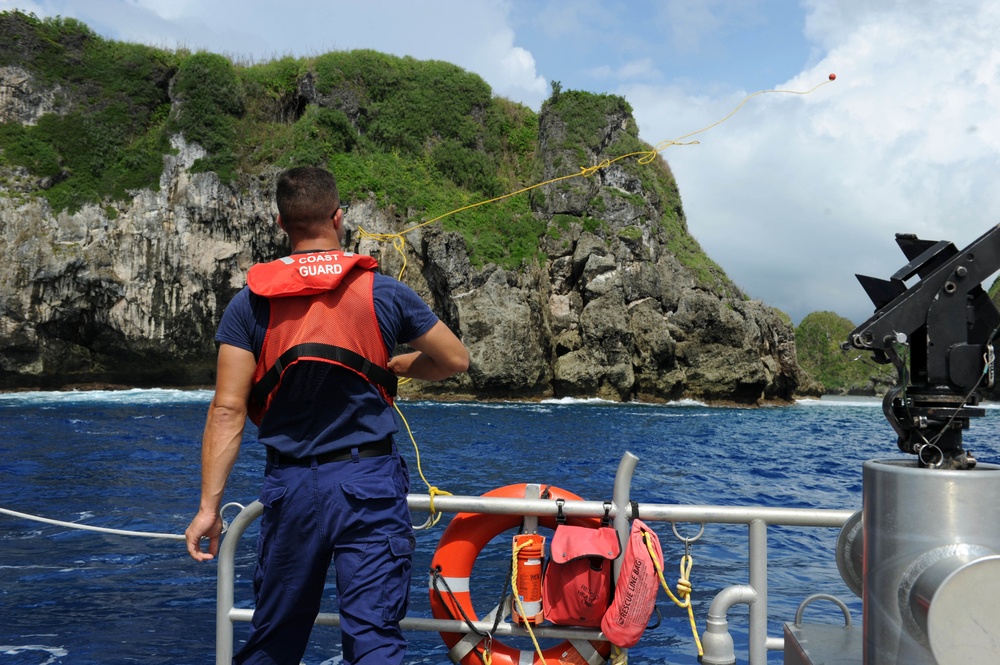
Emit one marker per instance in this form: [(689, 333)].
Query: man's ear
[(338, 226), (280, 223)]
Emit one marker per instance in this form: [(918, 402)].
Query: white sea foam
[(131, 396), (577, 400), (687, 402), (54, 652), (841, 400)]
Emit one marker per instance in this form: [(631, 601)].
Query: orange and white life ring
[(461, 543)]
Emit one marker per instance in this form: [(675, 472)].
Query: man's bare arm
[(439, 354), (220, 445)]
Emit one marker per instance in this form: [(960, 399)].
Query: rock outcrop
[(130, 292)]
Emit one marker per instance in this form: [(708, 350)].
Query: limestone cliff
[(619, 303)]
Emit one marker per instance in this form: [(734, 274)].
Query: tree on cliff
[(818, 341)]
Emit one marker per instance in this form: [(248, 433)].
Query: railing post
[(226, 579), (758, 581), (620, 497)]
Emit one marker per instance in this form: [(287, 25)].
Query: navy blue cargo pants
[(355, 512)]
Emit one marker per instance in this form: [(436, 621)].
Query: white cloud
[(635, 70), (793, 195), (474, 35), (509, 69), (170, 11)]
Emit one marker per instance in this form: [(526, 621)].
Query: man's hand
[(439, 354), (204, 525), (220, 445)]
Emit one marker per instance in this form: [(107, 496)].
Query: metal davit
[(930, 527)]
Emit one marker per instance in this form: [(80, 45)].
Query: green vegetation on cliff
[(105, 135), (209, 104), (426, 137), (586, 117), (817, 342)]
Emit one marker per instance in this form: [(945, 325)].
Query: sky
[(792, 195)]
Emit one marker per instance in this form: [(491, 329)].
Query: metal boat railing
[(754, 594)]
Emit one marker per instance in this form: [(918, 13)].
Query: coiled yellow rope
[(620, 656), (683, 587)]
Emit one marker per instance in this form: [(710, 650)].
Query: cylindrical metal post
[(620, 496), (758, 582), (929, 540), (225, 579)]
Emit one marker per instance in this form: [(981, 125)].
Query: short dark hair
[(306, 195)]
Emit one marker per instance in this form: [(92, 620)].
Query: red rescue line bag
[(576, 588), (635, 594)]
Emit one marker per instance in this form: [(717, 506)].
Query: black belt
[(373, 449)]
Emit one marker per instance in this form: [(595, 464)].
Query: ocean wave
[(130, 396), (841, 401), (578, 400), (54, 652), (865, 402), (687, 402), (555, 401)]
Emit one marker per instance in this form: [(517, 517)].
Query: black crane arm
[(946, 325)]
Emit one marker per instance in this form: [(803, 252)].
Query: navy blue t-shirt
[(322, 407)]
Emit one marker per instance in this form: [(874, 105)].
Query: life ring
[(461, 543)]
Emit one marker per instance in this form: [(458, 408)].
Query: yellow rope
[(645, 157), (517, 598), (431, 489), (683, 587), (397, 240), (488, 650)]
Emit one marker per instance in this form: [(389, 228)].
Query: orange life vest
[(322, 309)]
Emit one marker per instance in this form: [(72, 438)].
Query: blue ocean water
[(130, 460)]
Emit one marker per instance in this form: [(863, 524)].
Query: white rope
[(87, 527)]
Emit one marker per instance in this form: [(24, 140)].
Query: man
[(304, 351)]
